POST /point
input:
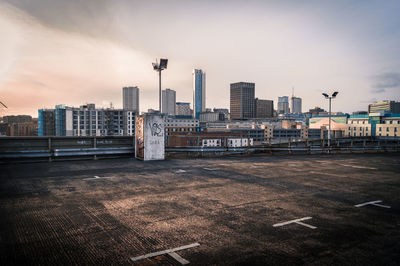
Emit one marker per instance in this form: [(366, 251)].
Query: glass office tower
[(199, 92)]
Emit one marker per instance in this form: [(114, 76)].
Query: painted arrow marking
[(297, 221), (171, 252), (375, 203)]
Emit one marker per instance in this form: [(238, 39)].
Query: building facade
[(130, 99), (168, 104), (85, 121), (388, 106), (295, 105), (242, 102), (46, 122), (374, 124), (211, 117), (264, 108), (199, 92), (180, 125), (183, 109), (223, 111), (283, 105)]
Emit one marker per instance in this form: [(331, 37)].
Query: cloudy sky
[(84, 51)]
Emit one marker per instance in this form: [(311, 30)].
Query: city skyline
[(88, 52)]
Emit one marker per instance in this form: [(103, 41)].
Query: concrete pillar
[(150, 141)]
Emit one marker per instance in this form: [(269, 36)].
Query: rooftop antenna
[(292, 91)]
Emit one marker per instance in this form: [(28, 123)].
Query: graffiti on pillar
[(156, 129)]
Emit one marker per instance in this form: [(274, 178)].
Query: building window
[(380, 129), (366, 134), (387, 129)]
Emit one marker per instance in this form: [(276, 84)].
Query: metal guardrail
[(62, 147), (53, 148)]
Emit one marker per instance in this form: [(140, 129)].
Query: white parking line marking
[(178, 258), (171, 252), (210, 169), (180, 171), (297, 221), (375, 203), (97, 177), (359, 167)]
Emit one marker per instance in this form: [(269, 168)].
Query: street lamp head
[(334, 94), (326, 95), (163, 63), (155, 65)]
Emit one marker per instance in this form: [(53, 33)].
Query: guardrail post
[(351, 145), (322, 145), (289, 149), (379, 145), (248, 145), (364, 145), (49, 147), (95, 146)]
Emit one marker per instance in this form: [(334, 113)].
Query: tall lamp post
[(330, 97), (160, 67)]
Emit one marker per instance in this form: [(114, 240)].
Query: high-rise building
[(295, 105), (388, 106), (283, 105), (199, 92), (242, 101), (264, 108), (168, 102), (183, 109), (46, 122), (130, 99), (63, 120)]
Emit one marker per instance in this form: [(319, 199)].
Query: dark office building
[(264, 108), (46, 122), (242, 100)]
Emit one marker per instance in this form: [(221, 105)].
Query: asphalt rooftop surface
[(107, 211)]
